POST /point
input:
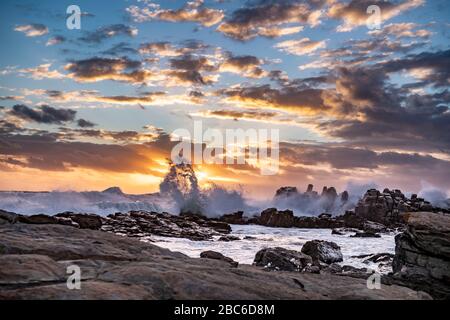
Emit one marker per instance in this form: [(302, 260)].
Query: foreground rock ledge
[(34, 260)]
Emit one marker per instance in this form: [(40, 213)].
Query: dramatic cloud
[(32, 30), (108, 32), (267, 17), (248, 66), (194, 11), (354, 13), (43, 114), (98, 69), (301, 100), (300, 47)]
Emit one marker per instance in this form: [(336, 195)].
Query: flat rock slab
[(115, 267)]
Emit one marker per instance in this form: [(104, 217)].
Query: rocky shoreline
[(421, 261), (34, 258)]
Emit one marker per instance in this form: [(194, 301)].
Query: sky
[(355, 103)]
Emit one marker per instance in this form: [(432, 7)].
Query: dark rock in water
[(115, 267), (386, 207), (337, 232), (113, 190), (273, 218), (281, 259), (250, 238), (7, 217), (380, 257), (286, 192), (365, 234), (422, 254), (142, 223), (84, 221), (218, 256), (322, 251), (229, 238), (234, 218), (344, 196), (38, 219), (309, 188)]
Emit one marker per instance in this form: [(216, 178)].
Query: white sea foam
[(244, 251)]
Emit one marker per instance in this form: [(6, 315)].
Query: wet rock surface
[(218, 256), (323, 251), (422, 253), (115, 267), (132, 224), (281, 259)]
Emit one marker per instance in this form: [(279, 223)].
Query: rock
[(84, 221), (370, 226), (273, 218), (37, 219), (386, 207), (286, 192), (281, 259), (250, 238), (365, 234), (228, 238), (218, 256), (322, 251), (116, 267), (337, 232), (234, 218), (145, 224), (7, 217), (344, 196), (422, 254), (311, 269), (379, 257)]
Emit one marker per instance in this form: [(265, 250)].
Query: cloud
[(300, 100), (246, 65), (82, 123), (55, 40), (43, 114), (437, 63), (41, 72), (300, 47), (32, 30), (107, 32), (354, 13), (193, 11), (268, 18), (118, 69), (401, 30)]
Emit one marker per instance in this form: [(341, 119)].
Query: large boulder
[(281, 259), (323, 251), (234, 218), (273, 218), (422, 253)]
